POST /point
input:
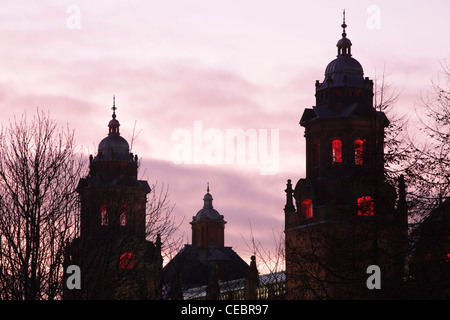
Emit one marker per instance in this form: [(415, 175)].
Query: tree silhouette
[(39, 170)]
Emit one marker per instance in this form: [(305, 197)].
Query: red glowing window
[(104, 220), (365, 206), (123, 215), (336, 151), (338, 93), (316, 153), (307, 208), (359, 150), (127, 261)]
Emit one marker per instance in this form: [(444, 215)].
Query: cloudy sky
[(188, 73)]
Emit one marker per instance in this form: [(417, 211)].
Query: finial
[(114, 107), (207, 188), (343, 25), (114, 124)]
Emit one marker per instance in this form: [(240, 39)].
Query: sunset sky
[(201, 68)]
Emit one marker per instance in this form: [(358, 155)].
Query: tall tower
[(116, 260), (341, 217)]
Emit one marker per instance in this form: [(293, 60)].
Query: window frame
[(127, 261), (359, 145), (365, 206), (336, 151), (307, 208)]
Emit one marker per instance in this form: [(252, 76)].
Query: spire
[(343, 25), (114, 124), (344, 45), (114, 107)]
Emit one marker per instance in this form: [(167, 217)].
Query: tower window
[(359, 151), (123, 215), (307, 208), (316, 153), (336, 151), (365, 206), (212, 235), (104, 219), (127, 261)]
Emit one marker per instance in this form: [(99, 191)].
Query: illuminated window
[(316, 154), (104, 220), (336, 151), (123, 215), (127, 261), (307, 208), (365, 206), (359, 150)]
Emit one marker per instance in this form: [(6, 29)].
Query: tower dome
[(208, 213), (344, 70), (113, 147)]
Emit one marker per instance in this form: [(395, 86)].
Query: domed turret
[(208, 213), (344, 88), (344, 70), (113, 147), (208, 225)]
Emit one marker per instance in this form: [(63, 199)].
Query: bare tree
[(162, 222), (39, 170), (432, 169), (429, 182)]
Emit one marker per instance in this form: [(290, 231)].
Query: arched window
[(365, 206), (359, 152), (127, 261), (104, 219), (316, 154), (336, 151), (307, 208)]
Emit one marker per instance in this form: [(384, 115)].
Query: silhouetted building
[(342, 217), (430, 258), (116, 260), (207, 261)]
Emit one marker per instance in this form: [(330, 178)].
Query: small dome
[(344, 64), (344, 70), (208, 212), (344, 43), (113, 147)]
